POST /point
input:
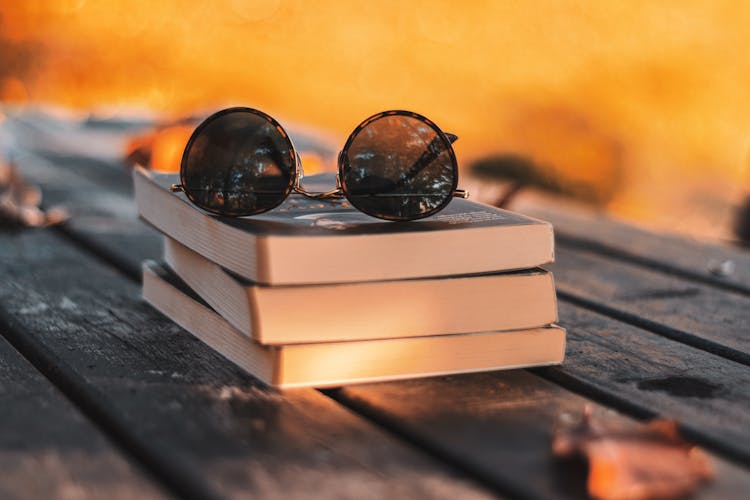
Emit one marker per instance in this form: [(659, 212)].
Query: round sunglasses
[(396, 165)]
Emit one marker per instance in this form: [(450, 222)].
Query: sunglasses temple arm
[(458, 193)]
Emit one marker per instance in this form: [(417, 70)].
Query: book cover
[(312, 241), (372, 309)]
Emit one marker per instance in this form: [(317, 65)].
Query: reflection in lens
[(399, 167), (238, 162)]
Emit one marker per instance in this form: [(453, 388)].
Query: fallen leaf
[(633, 461), (20, 200)]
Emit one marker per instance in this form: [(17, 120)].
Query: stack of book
[(315, 293)]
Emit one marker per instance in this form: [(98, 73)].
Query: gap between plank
[(132, 273), (556, 376), (126, 269), (100, 253), (680, 336), (70, 385), (589, 391), (605, 250), (390, 425)]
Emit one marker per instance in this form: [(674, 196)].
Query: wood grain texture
[(680, 308), (49, 450), (76, 145), (500, 424), (708, 395), (104, 220), (699, 314), (507, 418), (203, 426), (579, 229), (497, 426)]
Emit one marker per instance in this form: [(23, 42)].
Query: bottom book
[(330, 364)]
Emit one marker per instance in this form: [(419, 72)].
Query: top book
[(306, 241)]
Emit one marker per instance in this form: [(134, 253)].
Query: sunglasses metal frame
[(340, 191), (447, 139), (196, 133)]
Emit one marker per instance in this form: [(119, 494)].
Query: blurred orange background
[(646, 100)]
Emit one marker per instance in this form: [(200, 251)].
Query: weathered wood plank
[(510, 481), (499, 424), (698, 314), (49, 450), (104, 220), (637, 398), (104, 174), (206, 428), (707, 394), (602, 277), (627, 291), (85, 207), (577, 229)]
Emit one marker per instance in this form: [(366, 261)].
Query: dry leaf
[(633, 461), (19, 201)]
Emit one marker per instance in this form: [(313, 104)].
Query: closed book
[(372, 309), (331, 364), (313, 241)]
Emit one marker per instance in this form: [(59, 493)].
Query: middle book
[(290, 314)]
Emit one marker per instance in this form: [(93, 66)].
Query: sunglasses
[(396, 165)]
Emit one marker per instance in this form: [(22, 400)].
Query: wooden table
[(103, 397)]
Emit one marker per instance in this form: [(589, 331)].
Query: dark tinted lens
[(238, 163), (399, 167)]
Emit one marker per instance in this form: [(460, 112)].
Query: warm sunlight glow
[(646, 99)]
